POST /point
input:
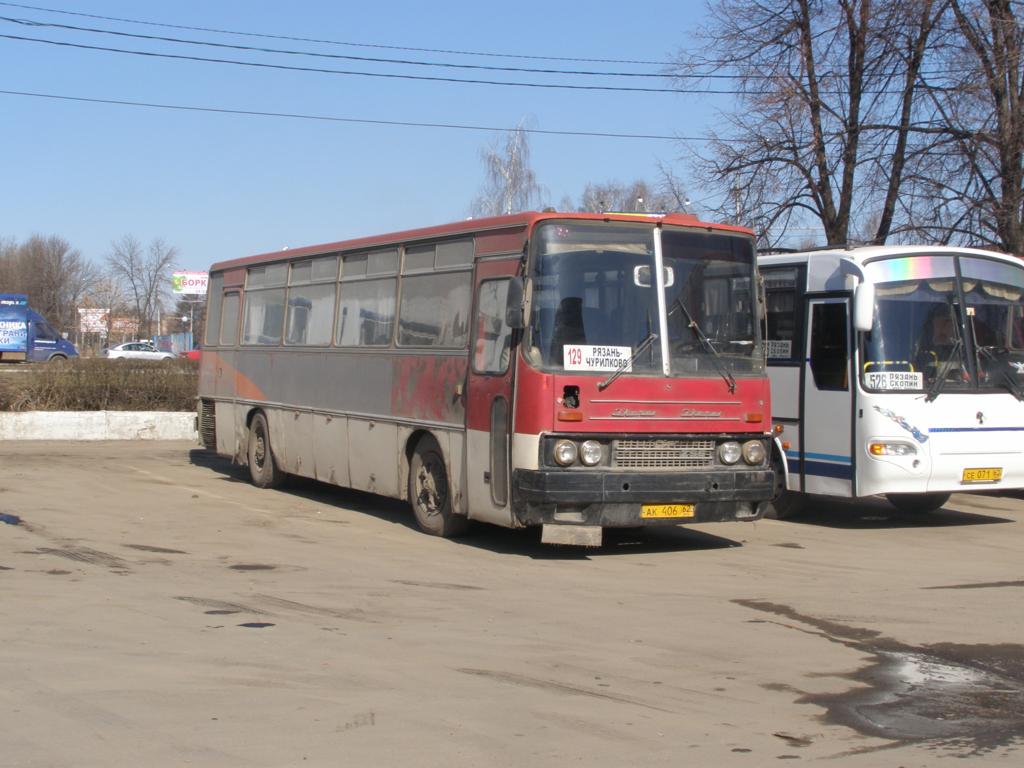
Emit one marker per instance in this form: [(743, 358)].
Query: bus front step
[(574, 535)]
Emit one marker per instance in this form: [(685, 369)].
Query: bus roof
[(524, 221), (862, 253)]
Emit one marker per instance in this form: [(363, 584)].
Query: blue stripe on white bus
[(975, 429), (840, 467)]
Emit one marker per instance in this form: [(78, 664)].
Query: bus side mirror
[(864, 307), (514, 315)]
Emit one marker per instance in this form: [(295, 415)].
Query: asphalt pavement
[(158, 610)]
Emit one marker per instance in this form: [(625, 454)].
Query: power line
[(355, 73), (334, 119), (336, 42), (395, 76), (314, 54)]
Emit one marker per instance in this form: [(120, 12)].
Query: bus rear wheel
[(917, 503), (262, 470), (429, 492)]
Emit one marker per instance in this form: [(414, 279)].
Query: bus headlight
[(729, 453), (590, 453), (891, 449), (753, 452), (565, 452)]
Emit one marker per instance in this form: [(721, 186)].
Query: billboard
[(93, 320), (189, 283)]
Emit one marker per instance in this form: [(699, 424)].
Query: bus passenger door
[(826, 462), (489, 396)]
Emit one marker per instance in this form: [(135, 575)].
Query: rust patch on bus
[(428, 388)]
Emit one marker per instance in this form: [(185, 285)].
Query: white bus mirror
[(864, 307), (514, 314)]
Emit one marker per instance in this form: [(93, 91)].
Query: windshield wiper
[(1012, 386), (1006, 380), (943, 371), (705, 342), (651, 338)]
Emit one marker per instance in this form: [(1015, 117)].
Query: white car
[(136, 350)]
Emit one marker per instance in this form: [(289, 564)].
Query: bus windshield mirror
[(706, 343)]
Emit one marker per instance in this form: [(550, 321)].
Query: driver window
[(493, 337)]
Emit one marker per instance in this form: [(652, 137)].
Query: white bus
[(896, 371)]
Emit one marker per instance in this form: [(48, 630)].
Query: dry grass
[(100, 385)]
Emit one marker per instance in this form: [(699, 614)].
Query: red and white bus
[(570, 371)]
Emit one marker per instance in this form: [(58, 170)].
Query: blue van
[(26, 335)]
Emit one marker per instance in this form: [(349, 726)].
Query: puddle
[(256, 567), (256, 624), (964, 699)]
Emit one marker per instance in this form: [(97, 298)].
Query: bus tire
[(917, 503), (787, 505), (429, 493), (262, 469)]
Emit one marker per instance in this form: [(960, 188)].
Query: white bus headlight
[(753, 452), (565, 452), (729, 453), (891, 449), (590, 453)]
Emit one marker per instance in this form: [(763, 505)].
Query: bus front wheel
[(429, 492), (262, 470), (917, 502), (785, 504)]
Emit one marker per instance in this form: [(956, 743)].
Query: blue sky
[(219, 186)]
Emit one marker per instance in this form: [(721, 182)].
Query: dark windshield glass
[(586, 294), (595, 300), (993, 293), (917, 333), (713, 284)]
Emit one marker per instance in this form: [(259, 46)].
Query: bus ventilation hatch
[(207, 425)]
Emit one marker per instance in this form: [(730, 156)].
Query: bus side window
[(829, 349), (493, 337), (229, 319), (784, 314), (213, 310)]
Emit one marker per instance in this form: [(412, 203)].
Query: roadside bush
[(99, 384)]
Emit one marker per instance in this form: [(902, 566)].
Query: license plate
[(668, 510), (982, 475)]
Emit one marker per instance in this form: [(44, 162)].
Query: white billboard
[(189, 283), (93, 320)]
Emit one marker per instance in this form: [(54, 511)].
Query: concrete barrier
[(98, 425)]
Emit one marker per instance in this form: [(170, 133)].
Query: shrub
[(99, 384)]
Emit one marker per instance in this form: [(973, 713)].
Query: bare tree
[(826, 94), (970, 187), (511, 184), (52, 273), (640, 196), (145, 273)]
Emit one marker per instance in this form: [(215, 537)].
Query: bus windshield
[(936, 332), (595, 300)]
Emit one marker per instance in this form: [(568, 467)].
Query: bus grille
[(664, 454), (207, 425)]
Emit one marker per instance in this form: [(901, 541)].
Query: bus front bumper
[(619, 499)]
